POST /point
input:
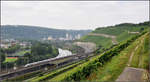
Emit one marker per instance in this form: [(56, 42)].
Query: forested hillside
[(36, 32)]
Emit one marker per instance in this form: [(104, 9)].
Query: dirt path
[(114, 41), (133, 32), (87, 46), (130, 59), (132, 74), (142, 41), (133, 52)]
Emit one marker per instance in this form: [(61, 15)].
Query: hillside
[(129, 55), (127, 64), (107, 36), (36, 33), (108, 66)]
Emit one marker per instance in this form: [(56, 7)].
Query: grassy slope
[(116, 30), (124, 36), (105, 42), (121, 33), (122, 58), (113, 69), (118, 63), (141, 56)]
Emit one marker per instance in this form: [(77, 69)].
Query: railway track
[(24, 70)]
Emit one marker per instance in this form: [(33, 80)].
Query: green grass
[(108, 72), (124, 36), (112, 69), (98, 40), (121, 33), (10, 59), (116, 30), (136, 57), (141, 55), (145, 59)]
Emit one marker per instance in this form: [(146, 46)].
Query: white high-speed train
[(51, 59), (62, 54), (38, 62)]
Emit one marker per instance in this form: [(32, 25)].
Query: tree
[(2, 57), (141, 29), (12, 49), (22, 61), (49, 49), (38, 49)]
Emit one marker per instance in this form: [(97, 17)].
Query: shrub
[(87, 68)]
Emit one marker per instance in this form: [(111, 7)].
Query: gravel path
[(130, 60), (131, 74), (87, 46), (114, 41)]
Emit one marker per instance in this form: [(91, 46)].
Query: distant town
[(68, 37), (6, 43)]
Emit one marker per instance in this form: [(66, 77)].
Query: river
[(63, 53)]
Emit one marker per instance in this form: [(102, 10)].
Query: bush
[(87, 68)]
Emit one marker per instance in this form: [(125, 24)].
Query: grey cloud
[(74, 14)]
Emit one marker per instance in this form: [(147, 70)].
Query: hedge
[(81, 72)]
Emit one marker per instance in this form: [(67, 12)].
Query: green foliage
[(120, 28), (112, 69), (147, 44), (124, 36), (120, 31), (87, 68), (19, 53), (42, 51), (22, 61), (141, 54), (12, 49), (39, 51), (7, 65), (54, 73), (2, 57)]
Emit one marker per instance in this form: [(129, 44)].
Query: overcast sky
[(73, 14)]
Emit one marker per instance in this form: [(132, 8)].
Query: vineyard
[(132, 50), (84, 71), (120, 31)]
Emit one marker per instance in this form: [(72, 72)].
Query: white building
[(78, 36), (5, 45), (49, 38), (67, 36)]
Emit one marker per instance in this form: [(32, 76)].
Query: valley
[(75, 41), (105, 54)]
